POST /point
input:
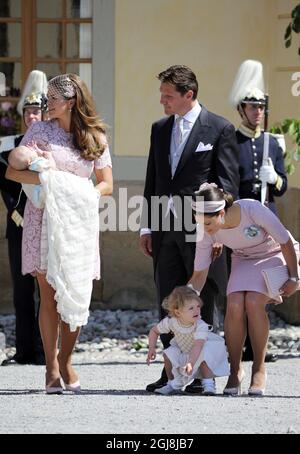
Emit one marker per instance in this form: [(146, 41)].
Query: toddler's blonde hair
[(177, 299)]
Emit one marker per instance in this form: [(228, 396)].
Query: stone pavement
[(110, 359), (113, 401)]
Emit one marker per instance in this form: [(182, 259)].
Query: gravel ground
[(113, 401)]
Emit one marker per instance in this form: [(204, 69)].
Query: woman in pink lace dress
[(259, 241), (75, 138)]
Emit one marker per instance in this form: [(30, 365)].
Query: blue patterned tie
[(178, 131)]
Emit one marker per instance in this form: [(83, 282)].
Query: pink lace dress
[(48, 136)]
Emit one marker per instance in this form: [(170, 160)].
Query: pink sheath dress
[(255, 243), (48, 136)]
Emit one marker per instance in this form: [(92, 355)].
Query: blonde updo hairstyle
[(178, 298)]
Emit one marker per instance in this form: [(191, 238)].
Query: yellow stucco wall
[(212, 37), (284, 104)]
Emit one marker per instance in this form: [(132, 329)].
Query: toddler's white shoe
[(74, 387), (165, 390), (209, 387)]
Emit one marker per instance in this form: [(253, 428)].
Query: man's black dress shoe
[(269, 358), (16, 359), (159, 383), (195, 387), (156, 385)]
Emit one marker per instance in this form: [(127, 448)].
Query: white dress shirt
[(189, 120)]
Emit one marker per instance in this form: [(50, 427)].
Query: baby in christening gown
[(24, 158), (194, 351)]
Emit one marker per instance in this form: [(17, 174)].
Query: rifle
[(266, 119), (264, 185)]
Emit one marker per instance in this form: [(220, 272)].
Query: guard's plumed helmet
[(34, 92), (248, 86), (254, 96)]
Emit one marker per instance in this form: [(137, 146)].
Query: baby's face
[(27, 154)]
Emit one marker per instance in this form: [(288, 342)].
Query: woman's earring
[(222, 219)]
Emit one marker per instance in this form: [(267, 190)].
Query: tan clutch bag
[(275, 278)]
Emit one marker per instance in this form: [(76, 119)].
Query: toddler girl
[(194, 351)]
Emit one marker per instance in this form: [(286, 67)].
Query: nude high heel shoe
[(237, 390), (54, 389), (257, 391), (74, 387)]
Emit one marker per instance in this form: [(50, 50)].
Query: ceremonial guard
[(261, 156), (29, 349)]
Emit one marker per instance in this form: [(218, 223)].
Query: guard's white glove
[(267, 173)]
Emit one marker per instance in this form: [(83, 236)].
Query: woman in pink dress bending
[(259, 241), (75, 139)]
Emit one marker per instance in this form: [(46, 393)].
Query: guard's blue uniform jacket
[(13, 196), (251, 146)]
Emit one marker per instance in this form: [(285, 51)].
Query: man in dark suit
[(189, 147)]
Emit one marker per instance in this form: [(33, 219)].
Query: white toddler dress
[(214, 352)]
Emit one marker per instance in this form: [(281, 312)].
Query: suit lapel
[(198, 132), (165, 150)]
